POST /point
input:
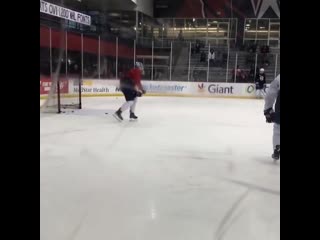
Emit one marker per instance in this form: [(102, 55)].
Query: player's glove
[(265, 87), (143, 91), (139, 94), (269, 114)]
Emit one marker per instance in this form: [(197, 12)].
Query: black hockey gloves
[(269, 114), (140, 93)]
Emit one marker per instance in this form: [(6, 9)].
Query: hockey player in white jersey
[(272, 99)]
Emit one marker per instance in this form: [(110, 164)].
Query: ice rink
[(188, 169)]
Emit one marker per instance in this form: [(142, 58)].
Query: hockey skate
[(276, 153), (133, 116), (117, 115)]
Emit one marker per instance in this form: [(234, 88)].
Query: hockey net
[(64, 93), (60, 85)]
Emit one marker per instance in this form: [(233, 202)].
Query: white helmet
[(261, 70), (140, 66)]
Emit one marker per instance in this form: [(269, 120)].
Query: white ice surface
[(189, 169)]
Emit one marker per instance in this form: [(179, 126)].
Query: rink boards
[(96, 88)]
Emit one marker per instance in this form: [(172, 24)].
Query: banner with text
[(65, 13), (105, 87), (45, 86)]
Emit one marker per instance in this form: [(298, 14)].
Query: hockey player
[(131, 88), (260, 83), (272, 98)]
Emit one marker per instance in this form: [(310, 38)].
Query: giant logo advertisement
[(225, 89), (217, 89)]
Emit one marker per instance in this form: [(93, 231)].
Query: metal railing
[(266, 30), (108, 58)]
